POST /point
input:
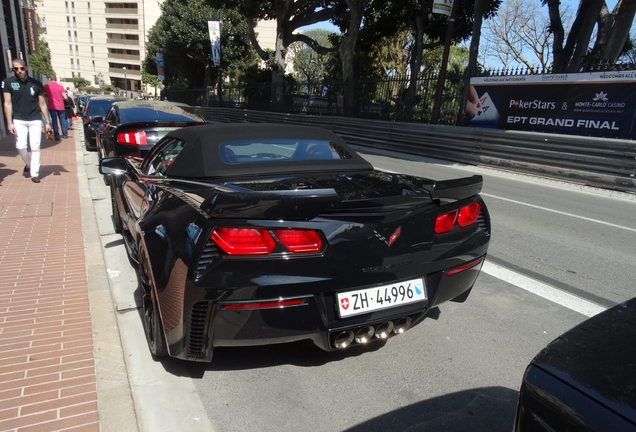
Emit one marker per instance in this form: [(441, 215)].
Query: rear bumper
[(209, 324)]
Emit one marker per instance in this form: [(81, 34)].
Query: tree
[(309, 66), (181, 35), (41, 62), (290, 15), (611, 36), (520, 34)]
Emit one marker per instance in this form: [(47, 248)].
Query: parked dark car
[(252, 234), (132, 127), (80, 103), (94, 114), (585, 380)]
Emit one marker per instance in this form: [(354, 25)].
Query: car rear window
[(100, 107), (239, 152)]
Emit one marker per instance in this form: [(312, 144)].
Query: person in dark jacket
[(69, 110)]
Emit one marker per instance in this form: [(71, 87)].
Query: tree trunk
[(558, 34), (346, 50), (620, 31), (206, 83), (278, 69), (579, 38), (473, 55), (416, 65)]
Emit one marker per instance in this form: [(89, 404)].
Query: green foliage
[(309, 66), (41, 62), (181, 35), (79, 82)]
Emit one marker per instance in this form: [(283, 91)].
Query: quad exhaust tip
[(365, 334), (402, 325), (384, 330), (343, 339)]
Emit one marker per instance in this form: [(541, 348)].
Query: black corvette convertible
[(251, 234)]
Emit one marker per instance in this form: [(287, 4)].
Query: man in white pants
[(24, 106)]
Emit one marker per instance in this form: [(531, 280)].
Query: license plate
[(383, 297)]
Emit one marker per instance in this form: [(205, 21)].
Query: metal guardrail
[(598, 162)]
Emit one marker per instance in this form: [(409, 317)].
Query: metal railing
[(598, 162)]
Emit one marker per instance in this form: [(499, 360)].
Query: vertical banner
[(31, 25), (443, 7), (214, 28), (160, 73)]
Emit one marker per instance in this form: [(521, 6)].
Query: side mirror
[(113, 166)]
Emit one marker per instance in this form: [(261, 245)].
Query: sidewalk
[(61, 364)]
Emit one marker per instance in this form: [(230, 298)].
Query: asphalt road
[(559, 253)]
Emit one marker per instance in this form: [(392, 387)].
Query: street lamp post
[(125, 82)]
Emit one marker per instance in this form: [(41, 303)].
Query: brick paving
[(47, 365)]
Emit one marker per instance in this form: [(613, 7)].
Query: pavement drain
[(26, 211)]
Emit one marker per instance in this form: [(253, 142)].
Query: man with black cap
[(24, 106)]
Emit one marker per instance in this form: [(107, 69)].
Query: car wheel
[(117, 224), (152, 321)]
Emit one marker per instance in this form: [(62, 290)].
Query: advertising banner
[(214, 27), (444, 7), (160, 67), (600, 104), (31, 24)]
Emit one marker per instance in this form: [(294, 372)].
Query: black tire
[(117, 224), (152, 322)]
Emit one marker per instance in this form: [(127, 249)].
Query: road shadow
[(302, 353), (486, 409)]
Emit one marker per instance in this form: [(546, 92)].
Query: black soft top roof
[(200, 156)]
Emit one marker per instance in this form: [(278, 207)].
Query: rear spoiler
[(302, 204), (457, 189)]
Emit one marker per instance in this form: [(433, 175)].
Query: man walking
[(24, 106), (56, 95)]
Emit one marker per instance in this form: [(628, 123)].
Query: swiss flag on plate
[(344, 303)]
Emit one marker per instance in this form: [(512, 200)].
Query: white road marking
[(546, 291), (560, 212)]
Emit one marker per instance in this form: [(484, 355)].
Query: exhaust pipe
[(384, 330), (344, 339), (402, 325), (364, 334)]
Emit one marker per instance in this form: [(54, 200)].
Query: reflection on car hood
[(598, 357)]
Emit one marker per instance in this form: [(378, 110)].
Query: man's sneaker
[(26, 171), (35, 179)]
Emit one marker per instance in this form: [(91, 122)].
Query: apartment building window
[(76, 51), (73, 65), (69, 36), (68, 22), (66, 6), (74, 23), (78, 66), (90, 22), (70, 50), (91, 38), (75, 36), (93, 53), (72, 7)]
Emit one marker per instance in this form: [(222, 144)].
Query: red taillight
[(244, 241), (263, 305), (468, 215), (258, 241), (299, 241), (132, 138), (463, 217), (445, 222)]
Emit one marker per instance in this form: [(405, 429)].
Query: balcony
[(122, 26), (133, 57), (121, 11), (113, 41), (129, 72)]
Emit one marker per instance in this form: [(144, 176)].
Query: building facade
[(103, 42)]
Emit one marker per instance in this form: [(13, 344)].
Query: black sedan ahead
[(253, 234), (94, 113), (131, 128), (585, 380)]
